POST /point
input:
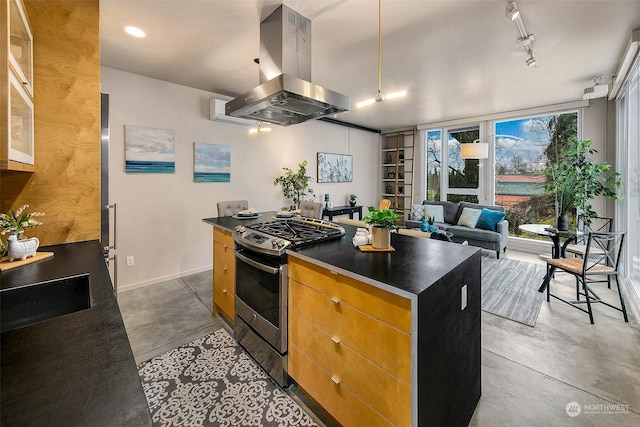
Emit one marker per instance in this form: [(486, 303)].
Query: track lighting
[(531, 60), (512, 11)]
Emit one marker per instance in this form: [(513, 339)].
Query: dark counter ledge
[(395, 271), (73, 370)]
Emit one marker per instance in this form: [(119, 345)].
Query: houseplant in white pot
[(382, 222)]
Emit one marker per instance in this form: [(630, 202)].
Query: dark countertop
[(415, 264), (74, 370)]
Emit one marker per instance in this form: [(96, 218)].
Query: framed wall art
[(335, 167), (149, 150), (211, 162)]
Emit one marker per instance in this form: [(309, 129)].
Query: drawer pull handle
[(224, 268), (335, 380), (335, 300), (335, 340), (224, 291)]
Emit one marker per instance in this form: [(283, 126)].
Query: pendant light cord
[(379, 46)]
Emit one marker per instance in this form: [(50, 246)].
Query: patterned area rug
[(212, 382), (510, 289)]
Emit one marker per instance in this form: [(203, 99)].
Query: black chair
[(601, 258), (587, 225)]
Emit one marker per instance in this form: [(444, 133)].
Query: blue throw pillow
[(489, 219)]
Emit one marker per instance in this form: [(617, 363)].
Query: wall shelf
[(397, 154)]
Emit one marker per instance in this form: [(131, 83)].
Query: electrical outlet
[(463, 296), (130, 261)]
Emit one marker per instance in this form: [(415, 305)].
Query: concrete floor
[(529, 375)]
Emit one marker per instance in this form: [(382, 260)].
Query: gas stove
[(275, 237)]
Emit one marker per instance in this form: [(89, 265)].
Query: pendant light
[(259, 129), (380, 96)]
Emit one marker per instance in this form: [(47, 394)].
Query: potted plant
[(382, 222), (352, 200), (16, 222), (577, 179), (295, 185)]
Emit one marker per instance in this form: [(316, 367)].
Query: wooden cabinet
[(350, 346), (16, 108), (397, 169), (224, 287)]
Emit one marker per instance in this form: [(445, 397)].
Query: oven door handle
[(265, 268)]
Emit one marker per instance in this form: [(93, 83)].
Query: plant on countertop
[(16, 222), (295, 185), (385, 218)]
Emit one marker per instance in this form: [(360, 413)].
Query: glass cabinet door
[(21, 45), (20, 123)]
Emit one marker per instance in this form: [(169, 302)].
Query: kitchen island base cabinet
[(374, 358), (223, 274)]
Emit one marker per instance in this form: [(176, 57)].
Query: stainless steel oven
[(260, 325)]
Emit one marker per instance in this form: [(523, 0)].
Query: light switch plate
[(463, 297)]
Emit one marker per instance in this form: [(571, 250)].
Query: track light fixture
[(512, 11), (531, 60)]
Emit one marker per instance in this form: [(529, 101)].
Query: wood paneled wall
[(66, 181)]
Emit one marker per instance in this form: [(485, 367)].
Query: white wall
[(160, 215)]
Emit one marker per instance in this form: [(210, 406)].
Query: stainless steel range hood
[(286, 95)]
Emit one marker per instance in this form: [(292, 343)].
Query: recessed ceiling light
[(134, 31)]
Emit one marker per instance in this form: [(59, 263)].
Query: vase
[(380, 237), (352, 203), (562, 223)]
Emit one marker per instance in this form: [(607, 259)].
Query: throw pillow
[(436, 211), (469, 217), (489, 219), (417, 212)]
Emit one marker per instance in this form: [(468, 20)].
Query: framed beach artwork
[(335, 167), (149, 150), (211, 162)]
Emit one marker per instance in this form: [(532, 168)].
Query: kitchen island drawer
[(335, 397), (379, 342), (387, 394), (224, 237), (389, 308), (223, 254)]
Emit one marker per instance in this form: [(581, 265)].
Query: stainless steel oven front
[(260, 325)]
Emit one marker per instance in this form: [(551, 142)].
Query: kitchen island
[(385, 338), (73, 370)]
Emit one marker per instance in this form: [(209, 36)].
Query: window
[(434, 154), (524, 150)]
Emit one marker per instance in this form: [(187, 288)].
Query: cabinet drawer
[(224, 289), (337, 399), (389, 308), (386, 394), (223, 237), (223, 255), (384, 345)]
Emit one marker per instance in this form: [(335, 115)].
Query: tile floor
[(529, 375)]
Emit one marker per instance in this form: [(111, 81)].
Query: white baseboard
[(157, 280), (632, 299)]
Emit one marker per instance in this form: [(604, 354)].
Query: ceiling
[(456, 59)]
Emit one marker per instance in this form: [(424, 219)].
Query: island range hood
[(286, 95)]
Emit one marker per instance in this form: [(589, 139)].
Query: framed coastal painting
[(335, 167), (149, 150), (211, 162)]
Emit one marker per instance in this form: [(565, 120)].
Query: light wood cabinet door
[(350, 346), (223, 273)]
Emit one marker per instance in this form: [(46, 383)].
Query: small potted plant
[(15, 223), (382, 222), (352, 200)]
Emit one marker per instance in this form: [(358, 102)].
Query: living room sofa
[(489, 230)]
